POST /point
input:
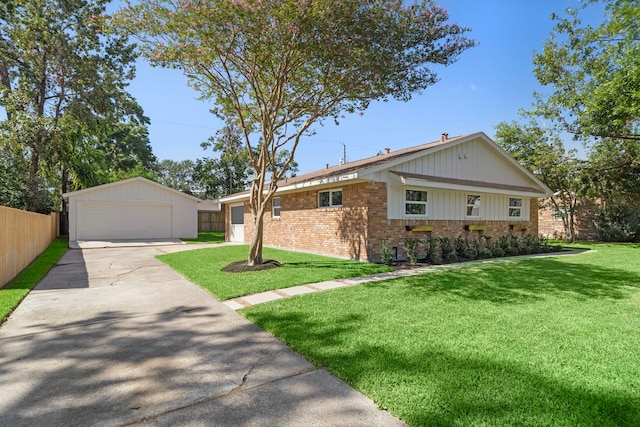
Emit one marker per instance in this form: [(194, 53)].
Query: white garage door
[(100, 221)]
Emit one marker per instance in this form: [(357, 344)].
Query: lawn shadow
[(527, 280), (436, 387)]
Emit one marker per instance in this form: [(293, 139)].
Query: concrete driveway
[(113, 337)]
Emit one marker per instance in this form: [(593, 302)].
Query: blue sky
[(488, 84)]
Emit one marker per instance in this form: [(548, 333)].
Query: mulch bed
[(242, 266)]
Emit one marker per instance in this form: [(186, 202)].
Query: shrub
[(411, 250), (435, 259), (511, 251), (471, 253), (498, 251), (446, 247), (386, 253), (452, 257), (486, 253), (461, 245), (430, 248), (618, 223)]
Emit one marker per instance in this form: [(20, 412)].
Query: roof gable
[(129, 181), (366, 169)]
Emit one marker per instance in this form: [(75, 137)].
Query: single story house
[(135, 208), (456, 186)]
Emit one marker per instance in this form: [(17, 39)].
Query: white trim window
[(559, 213), (473, 206), (275, 207), (330, 199), (515, 207), (415, 202)]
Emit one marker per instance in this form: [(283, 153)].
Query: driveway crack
[(234, 390)]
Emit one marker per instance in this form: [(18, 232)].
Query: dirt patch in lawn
[(242, 266)]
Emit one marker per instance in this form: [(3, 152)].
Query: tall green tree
[(279, 66), (63, 93), (178, 175), (593, 72), (230, 172), (541, 151)]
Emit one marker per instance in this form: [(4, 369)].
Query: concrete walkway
[(262, 297), (113, 337)]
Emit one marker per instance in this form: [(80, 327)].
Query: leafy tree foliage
[(62, 92), (593, 72), (279, 66), (177, 175), (542, 152), (230, 172)]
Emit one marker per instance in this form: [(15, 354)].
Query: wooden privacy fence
[(210, 220), (23, 236)]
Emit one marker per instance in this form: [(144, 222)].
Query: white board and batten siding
[(452, 205), (472, 160), (132, 209)]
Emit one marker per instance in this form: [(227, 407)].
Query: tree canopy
[(63, 94), (541, 151), (593, 72), (276, 67)]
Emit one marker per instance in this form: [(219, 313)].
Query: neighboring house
[(551, 225), (466, 186), (134, 208)]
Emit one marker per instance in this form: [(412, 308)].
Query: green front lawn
[(207, 237), (543, 341), (204, 267), (19, 287)]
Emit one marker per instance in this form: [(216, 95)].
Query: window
[(275, 207), (331, 198), (415, 202), (473, 205), (515, 207), (559, 213)]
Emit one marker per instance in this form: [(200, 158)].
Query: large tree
[(540, 150), (62, 92), (279, 66), (178, 175), (593, 72)]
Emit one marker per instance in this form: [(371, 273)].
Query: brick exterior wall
[(357, 229)]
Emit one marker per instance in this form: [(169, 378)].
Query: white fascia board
[(322, 182), (319, 182)]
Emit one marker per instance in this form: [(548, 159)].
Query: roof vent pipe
[(327, 165), (444, 137), (388, 150)]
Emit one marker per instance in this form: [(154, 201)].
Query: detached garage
[(135, 208)]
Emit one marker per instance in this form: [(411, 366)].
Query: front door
[(237, 224)]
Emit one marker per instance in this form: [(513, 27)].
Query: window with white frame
[(415, 202), (275, 207), (515, 207), (473, 205), (559, 213), (331, 198)]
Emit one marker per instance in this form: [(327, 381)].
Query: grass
[(19, 287), (207, 237), (543, 341), (203, 267)]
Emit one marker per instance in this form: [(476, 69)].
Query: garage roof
[(124, 182)]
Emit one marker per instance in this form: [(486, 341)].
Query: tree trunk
[(32, 203), (255, 248)]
